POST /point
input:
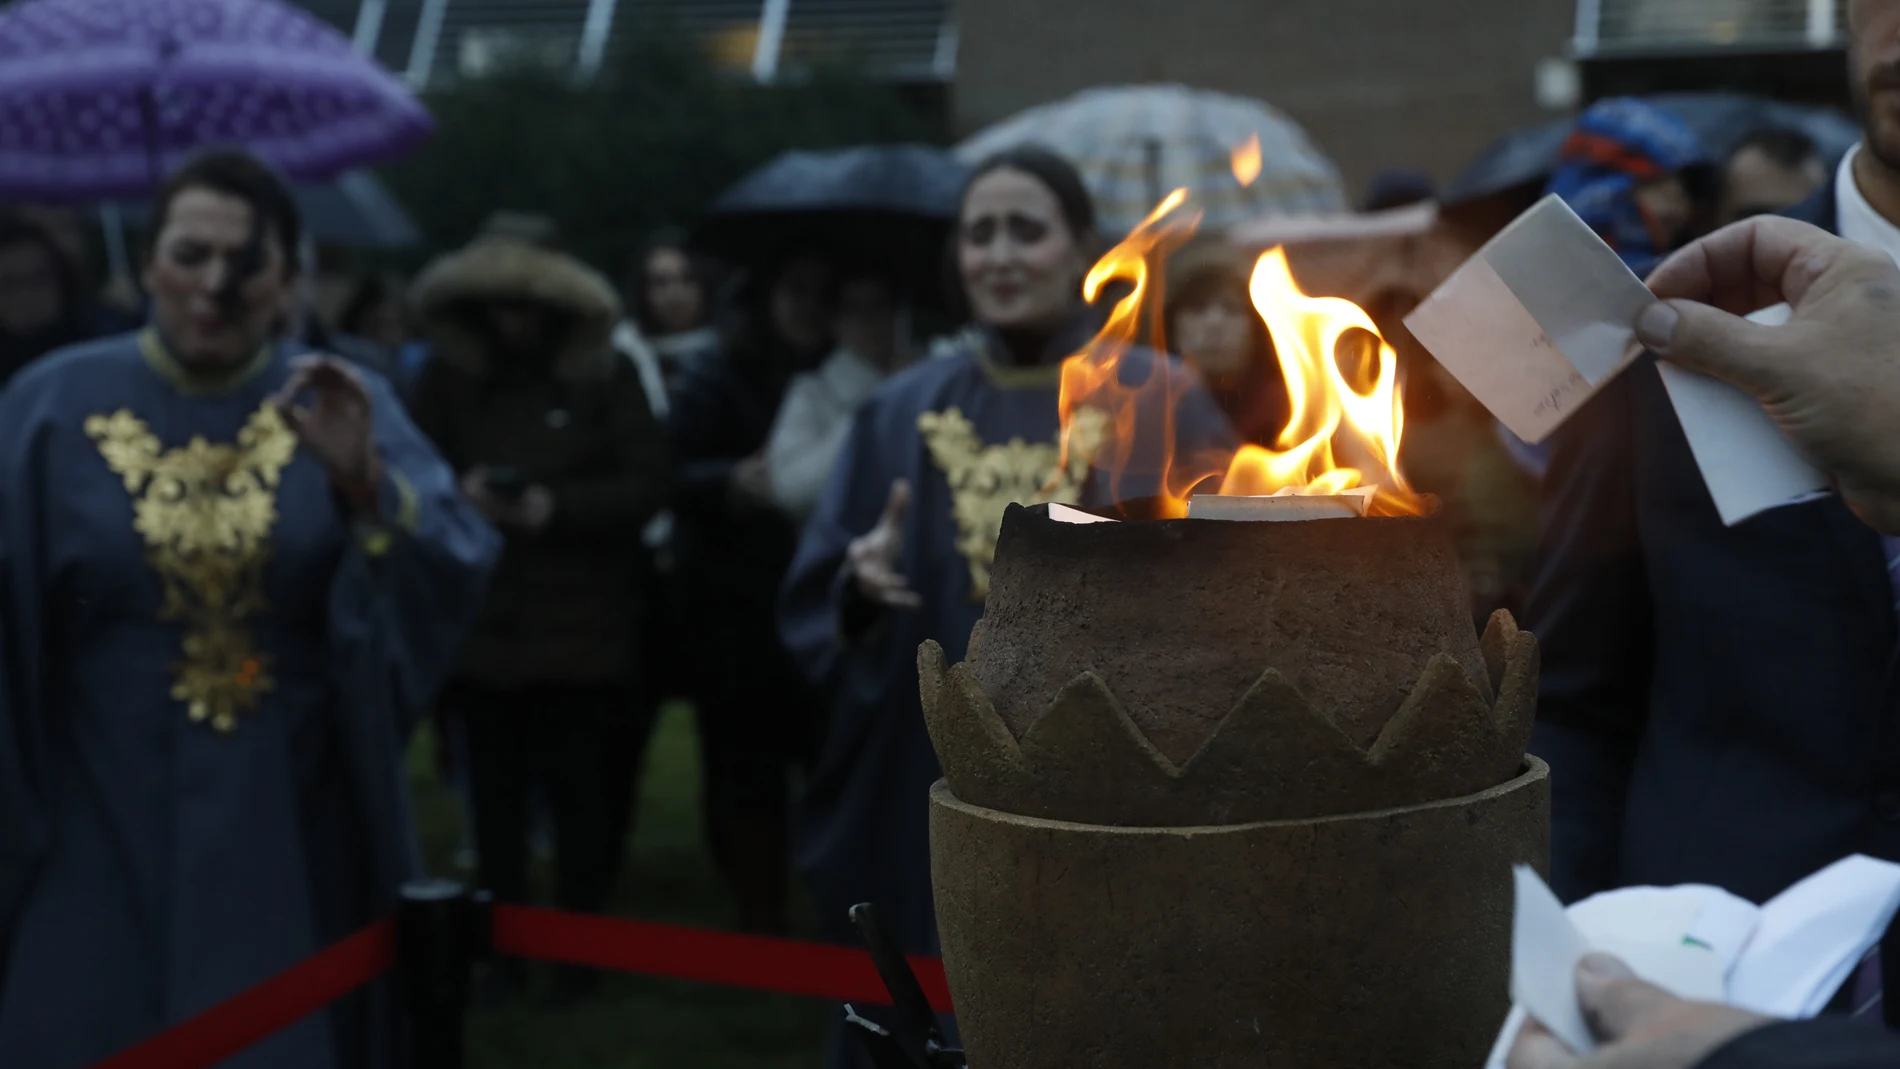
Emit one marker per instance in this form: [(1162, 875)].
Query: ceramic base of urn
[(1377, 939)]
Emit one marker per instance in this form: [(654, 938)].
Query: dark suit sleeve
[(1824, 1043), (1590, 610)]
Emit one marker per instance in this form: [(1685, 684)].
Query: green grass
[(638, 1022)]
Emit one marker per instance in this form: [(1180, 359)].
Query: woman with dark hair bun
[(900, 546)]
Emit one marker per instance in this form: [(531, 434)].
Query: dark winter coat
[(732, 554), (566, 602)]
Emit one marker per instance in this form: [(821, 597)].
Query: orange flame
[(1344, 424), (1245, 160)]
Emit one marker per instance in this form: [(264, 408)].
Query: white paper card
[(1747, 463), (1064, 514), (1545, 949), (1537, 321)]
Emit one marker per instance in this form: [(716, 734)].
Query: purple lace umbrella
[(98, 98)]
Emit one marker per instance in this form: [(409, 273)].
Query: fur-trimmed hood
[(511, 266)]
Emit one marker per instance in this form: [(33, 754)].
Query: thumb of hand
[(897, 506), (1711, 341)]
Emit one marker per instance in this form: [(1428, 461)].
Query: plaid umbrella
[(1134, 144), (99, 97)]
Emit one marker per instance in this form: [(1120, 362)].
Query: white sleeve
[(806, 439), (627, 340)]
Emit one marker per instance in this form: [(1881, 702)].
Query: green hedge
[(651, 141)]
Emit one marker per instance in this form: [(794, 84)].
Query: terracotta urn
[(1231, 794)]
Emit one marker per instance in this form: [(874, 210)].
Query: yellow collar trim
[(197, 383)]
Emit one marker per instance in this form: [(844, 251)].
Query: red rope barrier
[(785, 966), (279, 1002), (791, 967)]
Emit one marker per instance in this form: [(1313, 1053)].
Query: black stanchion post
[(440, 930)]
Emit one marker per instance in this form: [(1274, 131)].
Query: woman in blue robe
[(900, 547), (230, 581)]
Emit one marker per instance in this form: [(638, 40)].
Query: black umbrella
[(1522, 161), (889, 207), (356, 209)]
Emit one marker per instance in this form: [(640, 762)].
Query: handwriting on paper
[(1561, 399), (1490, 343)]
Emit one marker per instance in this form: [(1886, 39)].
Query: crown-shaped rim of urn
[(1274, 756)]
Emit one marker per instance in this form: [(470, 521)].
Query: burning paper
[(1284, 505), (1345, 416)]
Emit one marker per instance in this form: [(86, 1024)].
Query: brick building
[(1378, 83), (1384, 83), (434, 42)]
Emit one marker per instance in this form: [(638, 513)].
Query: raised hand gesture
[(329, 407), (874, 555)]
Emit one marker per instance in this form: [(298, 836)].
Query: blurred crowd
[(752, 487)]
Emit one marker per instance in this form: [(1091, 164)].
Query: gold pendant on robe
[(986, 479), (206, 513)]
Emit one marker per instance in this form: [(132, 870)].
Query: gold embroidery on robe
[(985, 480), (206, 513)]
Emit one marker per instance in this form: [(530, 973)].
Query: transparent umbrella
[(1134, 144)]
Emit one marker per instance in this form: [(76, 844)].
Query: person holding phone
[(553, 439)]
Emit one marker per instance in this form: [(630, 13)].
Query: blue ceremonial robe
[(962, 428), (208, 674)]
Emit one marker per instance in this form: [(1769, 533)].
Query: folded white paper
[(1538, 320), (1786, 958), (1813, 935), (1545, 949), (1064, 514), (1746, 462)]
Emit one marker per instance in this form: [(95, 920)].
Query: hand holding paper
[(1638, 1024), (1784, 959), (1544, 316), (1829, 378)]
